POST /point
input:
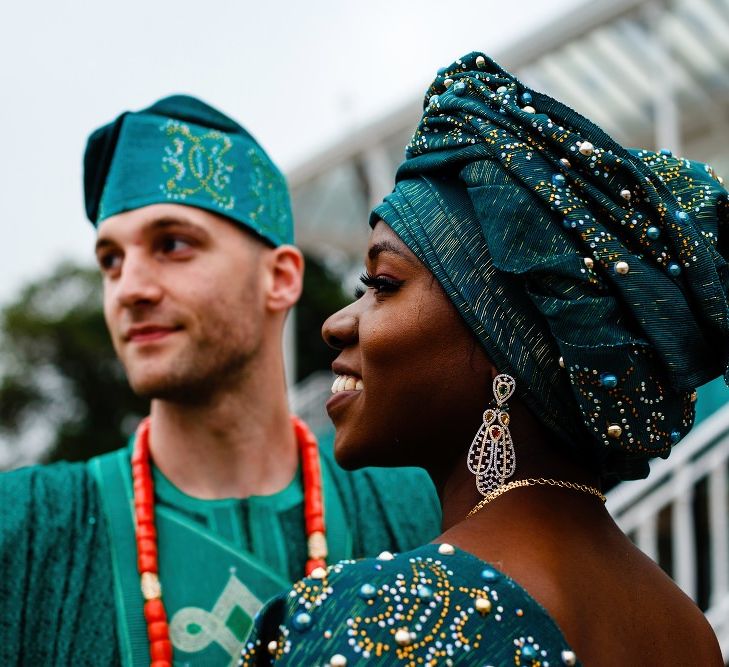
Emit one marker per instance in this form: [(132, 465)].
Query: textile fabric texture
[(182, 151), (597, 276), (452, 607)]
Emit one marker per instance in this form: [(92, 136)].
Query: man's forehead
[(156, 216)]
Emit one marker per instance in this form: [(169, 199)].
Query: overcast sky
[(299, 75)]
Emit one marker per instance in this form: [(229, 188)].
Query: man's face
[(183, 299)]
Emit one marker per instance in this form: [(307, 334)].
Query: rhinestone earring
[(491, 456)]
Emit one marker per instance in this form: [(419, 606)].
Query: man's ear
[(286, 271)]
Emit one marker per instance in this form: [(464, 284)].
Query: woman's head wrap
[(183, 151), (595, 275)]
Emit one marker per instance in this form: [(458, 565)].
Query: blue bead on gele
[(302, 621), (682, 216), (653, 233), (609, 380), (526, 98), (424, 592), (568, 224), (489, 574), (528, 652), (459, 89), (367, 591), (674, 269), (558, 180), (675, 437)]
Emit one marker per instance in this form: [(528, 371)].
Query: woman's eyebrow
[(376, 249)]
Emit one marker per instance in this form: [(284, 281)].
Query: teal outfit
[(70, 588), (435, 605)]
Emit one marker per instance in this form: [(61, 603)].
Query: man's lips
[(148, 333)]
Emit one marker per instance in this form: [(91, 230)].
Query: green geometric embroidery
[(195, 163), (239, 623)]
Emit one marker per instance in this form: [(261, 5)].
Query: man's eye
[(109, 261), (173, 244)]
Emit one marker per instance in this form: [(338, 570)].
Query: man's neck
[(233, 446)]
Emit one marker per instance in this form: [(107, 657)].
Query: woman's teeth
[(346, 383)]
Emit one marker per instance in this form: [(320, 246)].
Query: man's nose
[(138, 282)]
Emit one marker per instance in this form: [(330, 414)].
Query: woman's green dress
[(435, 605)]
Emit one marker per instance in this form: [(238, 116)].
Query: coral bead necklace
[(160, 646)]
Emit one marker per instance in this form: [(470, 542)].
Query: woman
[(540, 305)]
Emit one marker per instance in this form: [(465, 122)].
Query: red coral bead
[(146, 530), (160, 663), (144, 513), (147, 563), (154, 610), (161, 649), (158, 630)]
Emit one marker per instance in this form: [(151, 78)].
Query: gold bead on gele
[(151, 587), (565, 162), (402, 637), (483, 606), (317, 545), (586, 148), (272, 646), (694, 396), (614, 431), (589, 262), (622, 267)]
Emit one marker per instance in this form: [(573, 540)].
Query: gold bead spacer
[(151, 586), (317, 545)]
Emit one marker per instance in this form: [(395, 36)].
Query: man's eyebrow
[(376, 249), (160, 223)]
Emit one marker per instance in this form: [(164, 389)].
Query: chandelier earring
[(491, 456)]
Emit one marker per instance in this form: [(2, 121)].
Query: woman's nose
[(341, 328)]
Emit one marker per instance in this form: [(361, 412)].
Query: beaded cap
[(595, 275), (183, 151)]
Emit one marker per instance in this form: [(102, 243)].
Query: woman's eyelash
[(378, 283)]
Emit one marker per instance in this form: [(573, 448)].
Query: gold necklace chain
[(535, 481)]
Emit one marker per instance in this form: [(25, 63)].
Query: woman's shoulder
[(433, 605)]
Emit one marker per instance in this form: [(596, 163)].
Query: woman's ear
[(286, 266)]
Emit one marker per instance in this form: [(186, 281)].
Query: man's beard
[(196, 378)]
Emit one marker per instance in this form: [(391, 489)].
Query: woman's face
[(414, 379)]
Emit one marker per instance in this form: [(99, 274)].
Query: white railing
[(678, 516)]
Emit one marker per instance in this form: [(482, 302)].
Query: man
[(194, 244)]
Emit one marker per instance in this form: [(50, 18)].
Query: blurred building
[(653, 74)]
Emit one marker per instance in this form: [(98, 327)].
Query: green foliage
[(59, 371), (59, 375)]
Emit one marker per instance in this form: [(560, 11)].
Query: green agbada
[(595, 275), (70, 588)]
